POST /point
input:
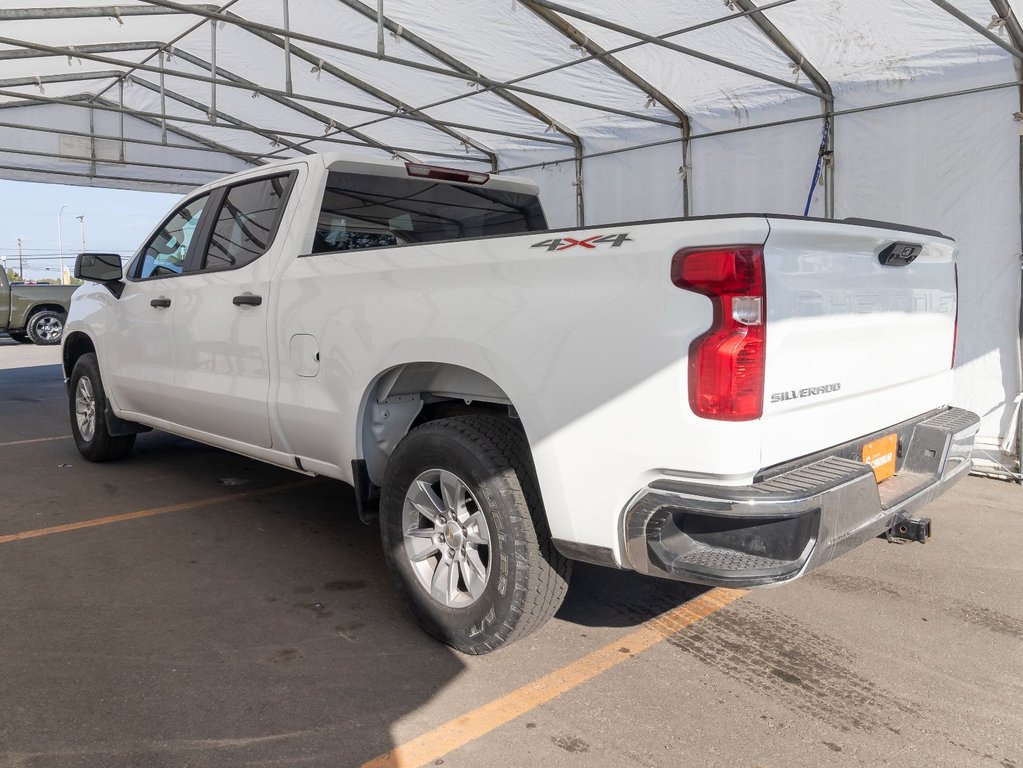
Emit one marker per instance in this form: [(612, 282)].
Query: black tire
[(21, 338), (528, 577), (45, 327), (101, 445)]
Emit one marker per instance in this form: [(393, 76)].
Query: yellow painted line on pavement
[(458, 732), (35, 440), (108, 520)]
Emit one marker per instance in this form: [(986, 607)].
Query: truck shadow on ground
[(604, 597)]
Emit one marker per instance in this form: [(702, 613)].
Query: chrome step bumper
[(796, 517)]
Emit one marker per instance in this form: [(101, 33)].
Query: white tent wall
[(765, 170), (645, 184), (952, 165), (555, 177), (65, 147)]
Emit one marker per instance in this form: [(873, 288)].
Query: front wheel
[(465, 534), (45, 327), (87, 405)]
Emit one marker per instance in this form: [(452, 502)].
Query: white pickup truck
[(724, 400)]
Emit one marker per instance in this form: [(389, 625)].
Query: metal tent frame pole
[(164, 183), (1015, 30), (214, 113), (293, 105), (91, 12), (585, 59), (96, 54), (1003, 11), (139, 163), (623, 30), (89, 102), (476, 78), (70, 77), (168, 46), (791, 121), (92, 103), (980, 29), (204, 11), (83, 100), (653, 94), (210, 147), (457, 65), (375, 92), (278, 32), (781, 41), (35, 51)]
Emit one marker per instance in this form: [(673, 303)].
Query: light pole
[(81, 223), (60, 243)]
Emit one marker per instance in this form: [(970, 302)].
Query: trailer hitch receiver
[(913, 529)]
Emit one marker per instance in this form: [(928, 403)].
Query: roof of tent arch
[(445, 82)]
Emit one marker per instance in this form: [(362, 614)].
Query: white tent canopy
[(619, 110)]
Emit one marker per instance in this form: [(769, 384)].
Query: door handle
[(247, 300), (160, 303)]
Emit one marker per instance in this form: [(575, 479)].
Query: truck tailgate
[(853, 345)]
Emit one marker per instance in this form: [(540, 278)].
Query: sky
[(115, 221)]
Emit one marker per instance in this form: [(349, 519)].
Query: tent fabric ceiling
[(462, 83), (618, 110)]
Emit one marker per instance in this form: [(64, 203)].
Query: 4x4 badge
[(564, 243)]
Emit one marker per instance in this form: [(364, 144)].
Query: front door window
[(167, 253)]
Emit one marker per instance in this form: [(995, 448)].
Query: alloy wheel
[(446, 538), (85, 408)]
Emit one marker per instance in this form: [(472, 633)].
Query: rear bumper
[(797, 517)]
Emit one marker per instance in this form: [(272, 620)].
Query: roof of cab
[(355, 163)]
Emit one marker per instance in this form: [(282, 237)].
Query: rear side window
[(246, 223), (362, 211)]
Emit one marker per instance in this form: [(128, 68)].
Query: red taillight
[(955, 324), (446, 174), (726, 364)]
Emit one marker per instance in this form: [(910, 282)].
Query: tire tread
[(497, 442), (30, 327), (103, 446)]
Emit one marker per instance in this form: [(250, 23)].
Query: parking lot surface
[(189, 607)]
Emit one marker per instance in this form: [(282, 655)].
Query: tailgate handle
[(899, 254)]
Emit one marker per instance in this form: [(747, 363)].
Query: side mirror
[(98, 267), (102, 268)]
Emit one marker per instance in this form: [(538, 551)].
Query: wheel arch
[(409, 394), (44, 307), (76, 344)]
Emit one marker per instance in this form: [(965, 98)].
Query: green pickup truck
[(33, 313)]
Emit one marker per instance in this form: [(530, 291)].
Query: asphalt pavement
[(189, 607)]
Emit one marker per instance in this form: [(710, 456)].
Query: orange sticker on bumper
[(880, 454)]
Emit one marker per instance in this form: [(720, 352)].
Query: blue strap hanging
[(821, 154)]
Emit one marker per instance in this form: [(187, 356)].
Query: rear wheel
[(87, 406), (465, 534), (45, 327)]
